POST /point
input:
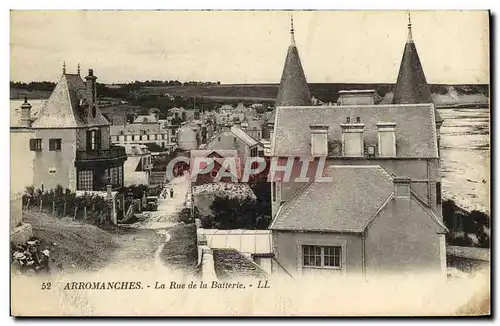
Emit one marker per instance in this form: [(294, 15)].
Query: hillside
[(443, 95)]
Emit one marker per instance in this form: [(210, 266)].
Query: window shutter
[(89, 140), (98, 139), (32, 144)]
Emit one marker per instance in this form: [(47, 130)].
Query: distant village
[(81, 156)]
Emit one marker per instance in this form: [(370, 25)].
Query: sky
[(247, 46)]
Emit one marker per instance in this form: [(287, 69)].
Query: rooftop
[(416, 135), (335, 205), (230, 263), (65, 107)]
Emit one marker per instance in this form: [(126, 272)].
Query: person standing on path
[(171, 193)]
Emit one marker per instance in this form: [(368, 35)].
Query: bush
[(237, 213)]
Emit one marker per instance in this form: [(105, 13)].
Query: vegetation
[(474, 222), (181, 251), (71, 244), (237, 213)]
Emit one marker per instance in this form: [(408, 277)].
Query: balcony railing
[(113, 152)]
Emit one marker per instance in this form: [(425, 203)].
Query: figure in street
[(171, 193)]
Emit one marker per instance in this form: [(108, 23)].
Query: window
[(253, 152), (36, 144), (438, 193), (125, 137), (403, 190), (163, 137), (117, 138), (348, 120), (121, 132), (85, 181), (317, 256), (133, 137), (54, 145), (147, 137), (358, 120), (93, 140)]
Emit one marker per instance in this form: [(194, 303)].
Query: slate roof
[(206, 152), (150, 118), (62, 110), (416, 135), (411, 86), (293, 90), (230, 263), (246, 138), (347, 204)]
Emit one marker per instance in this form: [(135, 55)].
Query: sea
[(465, 154)]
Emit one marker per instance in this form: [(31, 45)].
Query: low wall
[(19, 232)]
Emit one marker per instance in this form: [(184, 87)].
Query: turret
[(293, 90)]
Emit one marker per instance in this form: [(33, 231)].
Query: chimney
[(270, 126), (244, 126), (26, 113), (357, 97), (386, 139), (402, 187), (91, 87), (352, 139), (319, 140)]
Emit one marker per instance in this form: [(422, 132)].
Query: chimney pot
[(91, 72)]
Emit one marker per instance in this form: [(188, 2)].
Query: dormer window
[(352, 140)]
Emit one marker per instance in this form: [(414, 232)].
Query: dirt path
[(141, 244)]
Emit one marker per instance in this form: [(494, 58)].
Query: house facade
[(69, 139), (381, 210), (146, 129)]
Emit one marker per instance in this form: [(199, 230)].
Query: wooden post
[(85, 212), (54, 208), (41, 205), (74, 214), (64, 209), (28, 204)]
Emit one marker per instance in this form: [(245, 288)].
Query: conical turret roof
[(411, 86), (293, 90)]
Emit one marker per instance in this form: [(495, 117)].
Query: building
[(68, 141), (253, 128), (145, 130), (138, 165), (187, 137), (237, 139), (384, 199)]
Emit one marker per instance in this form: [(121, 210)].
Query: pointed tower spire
[(64, 67), (411, 86), (293, 90), (410, 36)]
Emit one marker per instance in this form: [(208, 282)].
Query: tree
[(238, 213)]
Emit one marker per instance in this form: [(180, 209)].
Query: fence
[(79, 208)]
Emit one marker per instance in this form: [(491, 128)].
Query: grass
[(181, 252), (72, 245)]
